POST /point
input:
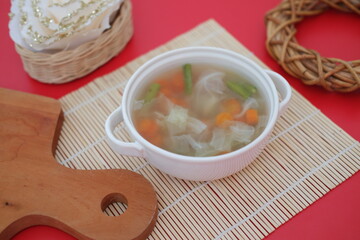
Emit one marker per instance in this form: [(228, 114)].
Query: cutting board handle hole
[(114, 204)]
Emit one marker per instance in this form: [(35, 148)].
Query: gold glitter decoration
[(23, 19), (73, 22), (61, 4)]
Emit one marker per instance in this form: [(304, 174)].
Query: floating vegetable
[(252, 117), (222, 118), (244, 90), (152, 92), (177, 119), (187, 78), (208, 93), (232, 106), (250, 88), (195, 125)]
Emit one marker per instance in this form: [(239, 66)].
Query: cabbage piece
[(242, 132), (186, 144), (195, 125), (164, 102), (206, 151), (160, 119), (180, 144), (193, 143), (208, 92), (176, 121), (221, 140), (212, 81)]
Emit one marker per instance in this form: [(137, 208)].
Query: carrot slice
[(252, 117), (147, 127), (172, 86), (222, 117), (232, 106), (156, 140)]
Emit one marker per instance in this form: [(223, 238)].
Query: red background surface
[(333, 34)]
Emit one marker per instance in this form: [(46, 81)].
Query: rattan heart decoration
[(308, 65)]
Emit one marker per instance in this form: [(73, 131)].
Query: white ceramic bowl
[(270, 85)]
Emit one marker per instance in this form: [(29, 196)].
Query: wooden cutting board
[(36, 190)]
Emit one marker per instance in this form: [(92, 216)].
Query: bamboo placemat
[(307, 156)]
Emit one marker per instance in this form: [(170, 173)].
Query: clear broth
[(190, 124)]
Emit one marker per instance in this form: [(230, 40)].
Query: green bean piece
[(187, 78), (251, 88), (152, 92), (244, 90)]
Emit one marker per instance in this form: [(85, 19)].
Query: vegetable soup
[(199, 110)]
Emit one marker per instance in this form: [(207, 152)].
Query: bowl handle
[(126, 148), (283, 88)]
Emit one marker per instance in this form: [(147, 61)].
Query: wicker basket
[(65, 66)]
